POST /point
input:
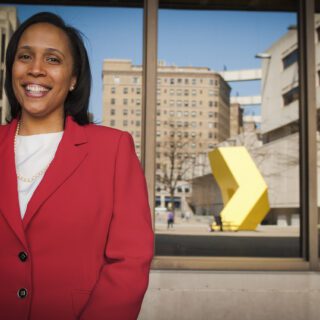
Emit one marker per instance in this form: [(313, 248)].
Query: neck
[(31, 126)]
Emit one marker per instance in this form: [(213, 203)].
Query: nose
[(36, 68)]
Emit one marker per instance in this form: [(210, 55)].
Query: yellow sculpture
[(244, 191)]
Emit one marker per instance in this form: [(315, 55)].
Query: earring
[(71, 88)]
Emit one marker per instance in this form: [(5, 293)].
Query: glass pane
[(115, 53), (317, 52), (227, 158)]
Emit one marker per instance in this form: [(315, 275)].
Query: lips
[(36, 90)]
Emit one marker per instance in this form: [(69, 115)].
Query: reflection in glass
[(208, 106)]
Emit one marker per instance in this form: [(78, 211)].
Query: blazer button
[(23, 256), (22, 293)]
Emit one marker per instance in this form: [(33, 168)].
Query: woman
[(75, 229)]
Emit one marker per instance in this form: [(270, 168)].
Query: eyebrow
[(46, 49)]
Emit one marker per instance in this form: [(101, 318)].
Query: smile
[(36, 90)]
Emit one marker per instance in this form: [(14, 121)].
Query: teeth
[(36, 88)]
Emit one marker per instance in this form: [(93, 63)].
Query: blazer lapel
[(71, 151), (9, 203)]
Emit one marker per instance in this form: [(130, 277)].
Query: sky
[(215, 39)]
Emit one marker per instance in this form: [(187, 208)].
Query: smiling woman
[(43, 75), (74, 213)]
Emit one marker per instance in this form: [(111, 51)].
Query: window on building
[(194, 92), (172, 81), (138, 90), (113, 112), (290, 96), (113, 101), (125, 90), (211, 92), (135, 80), (138, 102), (125, 101), (290, 59), (210, 103), (186, 92), (179, 92), (186, 103), (138, 123), (113, 90), (112, 123), (171, 103), (125, 112), (179, 103), (171, 92), (125, 123)]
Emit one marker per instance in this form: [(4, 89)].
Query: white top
[(33, 153)]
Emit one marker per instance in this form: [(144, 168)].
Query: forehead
[(45, 35)]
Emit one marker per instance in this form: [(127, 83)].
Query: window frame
[(308, 152)]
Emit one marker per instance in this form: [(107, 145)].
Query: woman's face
[(42, 71)]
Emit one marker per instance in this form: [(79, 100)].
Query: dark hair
[(77, 101)]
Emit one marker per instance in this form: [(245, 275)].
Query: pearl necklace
[(38, 174)]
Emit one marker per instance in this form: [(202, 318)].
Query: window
[(135, 80), (210, 103), (179, 92), (194, 92), (186, 103), (125, 123), (290, 59), (211, 93), (171, 103), (171, 81), (125, 90), (291, 96), (125, 101), (171, 92), (138, 102), (186, 92), (125, 112), (113, 112), (113, 101), (3, 47), (112, 123), (138, 123), (193, 103), (194, 81), (113, 90), (211, 82), (179, 103), (138, 90)]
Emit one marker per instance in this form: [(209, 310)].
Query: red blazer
[(84, 248)]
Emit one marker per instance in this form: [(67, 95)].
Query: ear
[(73, 83)]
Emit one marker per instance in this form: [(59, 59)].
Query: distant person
[(218, 221), (170, 219)]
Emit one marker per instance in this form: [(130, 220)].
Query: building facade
[(8, 24), (193, 115)]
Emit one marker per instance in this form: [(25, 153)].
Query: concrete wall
[(204, 295)]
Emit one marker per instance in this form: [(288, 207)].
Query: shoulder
[(98, 134), (4, 130), (102, 132)]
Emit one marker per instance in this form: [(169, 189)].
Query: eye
[(24, 57), (53, 60)]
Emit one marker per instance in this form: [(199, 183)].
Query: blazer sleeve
[(124, 278)]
